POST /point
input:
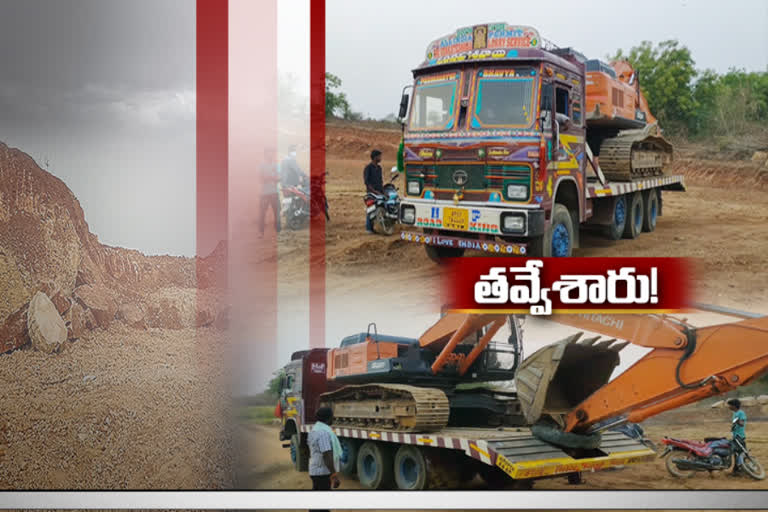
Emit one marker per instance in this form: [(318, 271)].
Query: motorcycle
[(384, 209), (684, 458), (297, 205)]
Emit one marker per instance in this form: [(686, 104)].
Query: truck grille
[(496, 175), (479, 176)]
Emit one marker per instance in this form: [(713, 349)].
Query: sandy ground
[(118, 409)]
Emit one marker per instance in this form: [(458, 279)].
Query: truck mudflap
[(511, 248), (515, 450)]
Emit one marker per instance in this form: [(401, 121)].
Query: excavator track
[(634, 154), (393, 407)]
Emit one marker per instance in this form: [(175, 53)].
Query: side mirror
[(556, 142), (403, 106)]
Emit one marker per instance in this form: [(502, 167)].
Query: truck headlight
[(414, 188), (408, 214), (513, 223), (517, 191)]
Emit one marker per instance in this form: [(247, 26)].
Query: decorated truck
[(511, 144)]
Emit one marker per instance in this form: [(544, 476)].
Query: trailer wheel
[(552, 435), (299, 453), (438, 254), (375, 466), (619, 218), (410, 469), (634, 225), (558, 238), (494, 477), (349, 448), (651, 202)]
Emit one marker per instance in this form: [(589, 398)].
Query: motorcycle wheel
[(753, 468), (387, 225), (673, 469)]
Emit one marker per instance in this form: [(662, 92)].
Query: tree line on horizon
[(687, 102)]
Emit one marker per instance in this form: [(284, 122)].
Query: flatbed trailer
[(381, 459), (513, 451)]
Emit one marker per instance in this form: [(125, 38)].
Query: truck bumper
[(509, 248), (483, 220)]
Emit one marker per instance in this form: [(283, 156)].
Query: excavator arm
[(685, 365)]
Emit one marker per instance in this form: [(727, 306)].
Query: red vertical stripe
[(317, 172), (212, 128), (211, 146)]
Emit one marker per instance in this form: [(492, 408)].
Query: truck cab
[(479, 156), (495, 156)]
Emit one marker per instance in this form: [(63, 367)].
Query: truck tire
[(410, 469), (375, 465), (349, 448), (636, 214), (618, 219), (651, 213), (558, 238), (299, 453), (549, 433), (438, 254)]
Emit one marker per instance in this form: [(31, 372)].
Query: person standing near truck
[(738, 422), (324, 452), (374, 183), (269, 196)]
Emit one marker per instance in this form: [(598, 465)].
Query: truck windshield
[(503, 100), (433, 106)]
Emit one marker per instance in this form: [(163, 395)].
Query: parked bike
[(684, 458), (384, 209), (297, 205)]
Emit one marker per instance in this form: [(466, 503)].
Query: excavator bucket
[(558, 377)]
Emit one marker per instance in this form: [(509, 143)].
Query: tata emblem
[(460, 177), (479, 37)]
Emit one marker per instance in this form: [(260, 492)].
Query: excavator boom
[(685, 365)]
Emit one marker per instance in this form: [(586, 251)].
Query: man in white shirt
[(322, 467)]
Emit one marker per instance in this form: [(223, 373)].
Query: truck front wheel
[(438, 254), (558, 238), (299, 452)]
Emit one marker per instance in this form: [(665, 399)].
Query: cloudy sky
[(373, 46), (104, 90)]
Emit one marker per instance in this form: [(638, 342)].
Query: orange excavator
[(623, 134), (569, 380), (563, 390)]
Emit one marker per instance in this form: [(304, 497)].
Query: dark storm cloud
[(58, 58), (104, 90)]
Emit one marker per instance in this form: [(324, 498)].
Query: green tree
[(275, 382), (666, 74), (335, 102)]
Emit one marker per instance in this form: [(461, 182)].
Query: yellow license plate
[(456, 218)]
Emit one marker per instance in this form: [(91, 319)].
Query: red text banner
[(548, 286)]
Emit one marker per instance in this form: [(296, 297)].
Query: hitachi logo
[(606, 320)]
